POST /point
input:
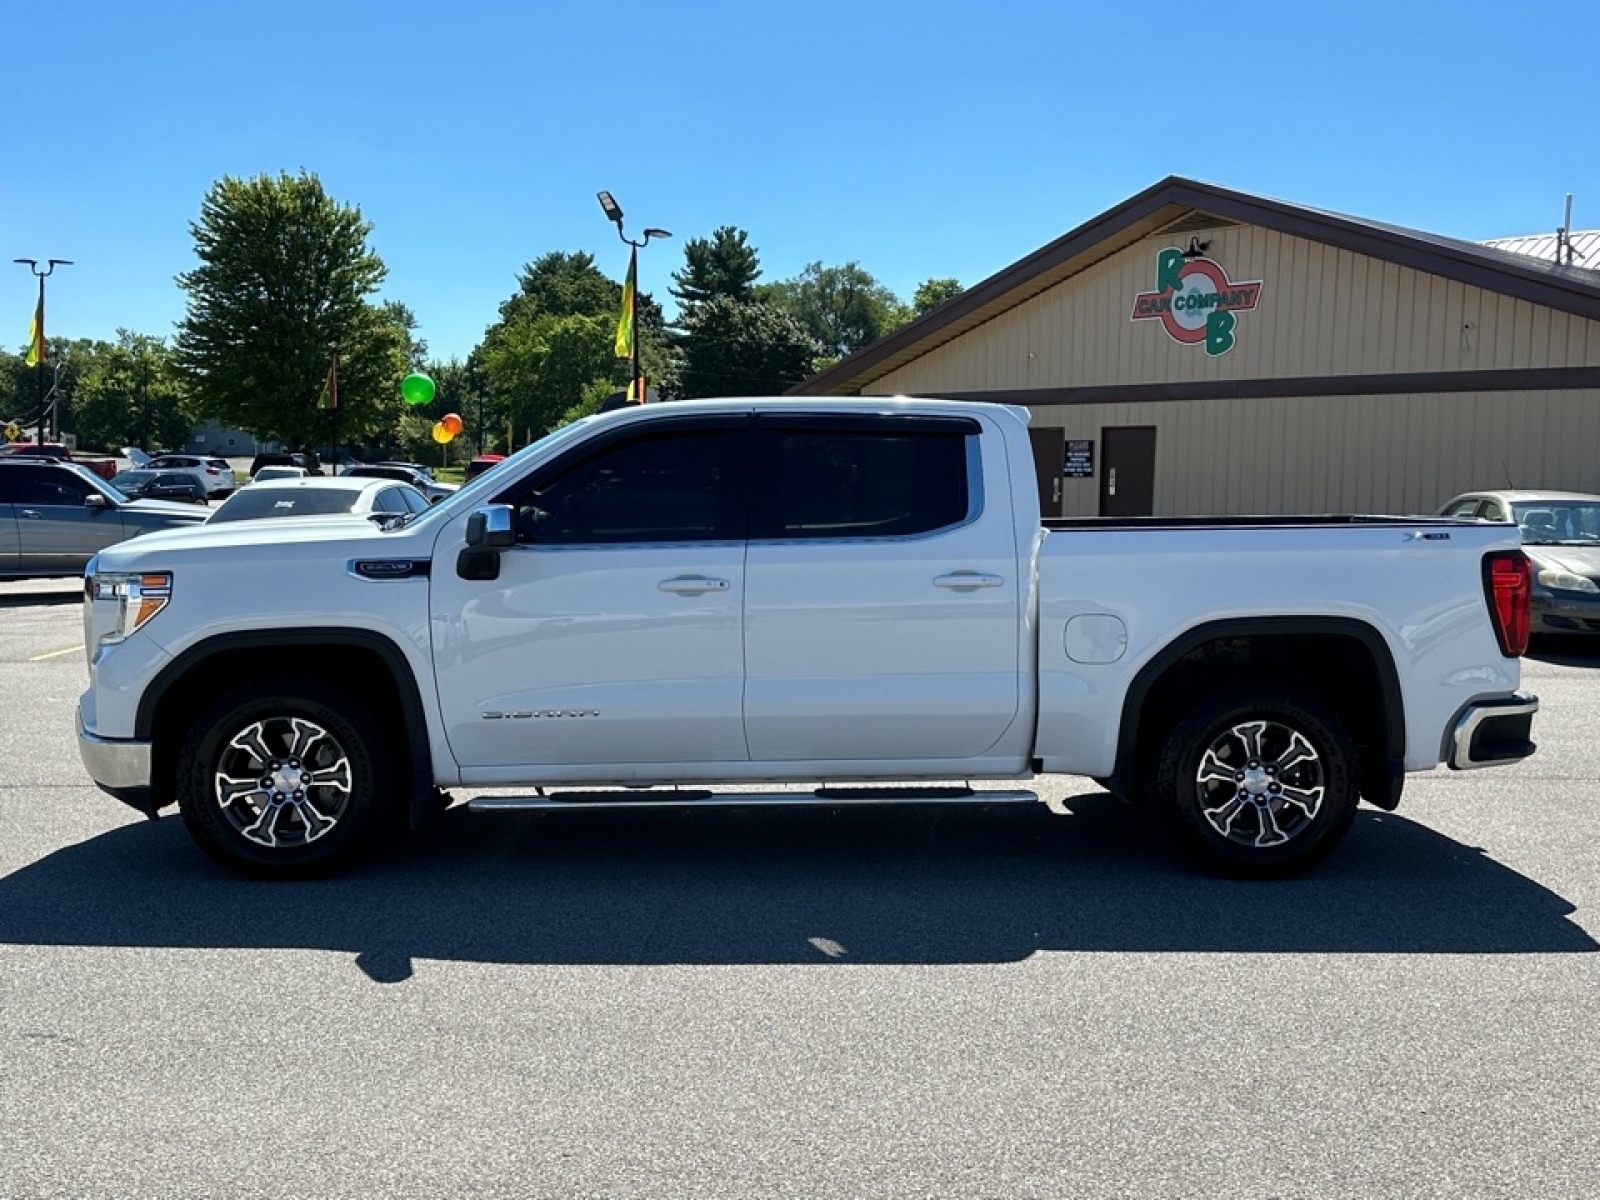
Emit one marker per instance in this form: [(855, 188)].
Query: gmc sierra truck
[(684, 602)]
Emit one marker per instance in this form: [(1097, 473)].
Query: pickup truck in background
[(856, 592), (106, 468)]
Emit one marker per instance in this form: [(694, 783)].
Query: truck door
[(883, 604), (612, 635)]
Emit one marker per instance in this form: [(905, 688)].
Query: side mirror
[(490, 528), (96, 500)]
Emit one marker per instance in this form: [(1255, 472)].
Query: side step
[(822, 797)]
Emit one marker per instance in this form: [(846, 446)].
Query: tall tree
[(543, 366), (129, 393), (843, 308), (542, 358), (723, 265), (742, 349), (562, 285), (285, 277), (931, 293)]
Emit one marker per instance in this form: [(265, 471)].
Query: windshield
[(250, 503), (1559, 522)]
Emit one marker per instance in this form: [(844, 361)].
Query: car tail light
[(1507, 585), (213, 471)]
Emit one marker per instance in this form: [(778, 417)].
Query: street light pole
[(33, 265), (613, 213)]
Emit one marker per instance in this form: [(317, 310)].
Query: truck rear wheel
[(1258, 782), (283, 779)]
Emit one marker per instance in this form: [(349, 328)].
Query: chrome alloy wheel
[(283, 782), (1260, 783)]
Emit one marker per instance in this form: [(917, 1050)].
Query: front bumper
[(1489, 732), (119, 768), (1568, 612)]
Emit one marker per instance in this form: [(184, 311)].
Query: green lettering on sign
[(1219, 332), (1168, 263)]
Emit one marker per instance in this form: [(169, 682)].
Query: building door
[(1048, 459), (1128, 471)]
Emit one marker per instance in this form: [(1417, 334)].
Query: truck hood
[(1579, 560), (250, 542)]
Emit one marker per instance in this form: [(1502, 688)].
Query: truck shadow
[(71, 592), (723, 886), (1575, 651)]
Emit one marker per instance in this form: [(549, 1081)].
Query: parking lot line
[(57, 653)]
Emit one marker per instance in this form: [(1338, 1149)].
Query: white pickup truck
[(782, 591)]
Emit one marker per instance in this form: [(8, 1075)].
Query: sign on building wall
[(1080, 459), (1195, 301)]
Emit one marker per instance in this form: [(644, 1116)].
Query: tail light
[(1507, 585), (213, 470)]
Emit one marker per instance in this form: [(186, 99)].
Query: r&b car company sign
[(1195, 301)]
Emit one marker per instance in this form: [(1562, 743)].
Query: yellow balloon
[(441, 434)]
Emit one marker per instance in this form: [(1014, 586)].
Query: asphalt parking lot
[(1040, 1002)]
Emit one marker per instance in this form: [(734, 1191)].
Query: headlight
[(138, 598), (1566, 581)]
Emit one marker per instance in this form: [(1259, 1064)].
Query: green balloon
[(416, 389)]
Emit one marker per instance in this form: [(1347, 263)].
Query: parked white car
[(318, 496), (268, 473)]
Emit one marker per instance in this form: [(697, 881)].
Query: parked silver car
[(1561, 537), (55, 516)]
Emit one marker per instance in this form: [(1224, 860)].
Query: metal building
[(1197, 350)]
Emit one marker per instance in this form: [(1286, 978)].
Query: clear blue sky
[(921, 140)]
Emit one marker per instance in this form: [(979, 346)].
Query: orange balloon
[(452, 422)]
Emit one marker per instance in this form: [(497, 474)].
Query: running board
[(823, 797)]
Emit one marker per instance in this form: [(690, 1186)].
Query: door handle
[(967, 581), (693, 585), (33, 514)]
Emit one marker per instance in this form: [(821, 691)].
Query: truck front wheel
[(283, 779), (1258, 782)]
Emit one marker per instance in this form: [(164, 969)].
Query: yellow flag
[(36, 336), (625, 332)]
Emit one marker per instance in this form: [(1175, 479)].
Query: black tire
[(1258, 782), (308, 777)]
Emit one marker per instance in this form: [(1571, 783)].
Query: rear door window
[(897, 477)]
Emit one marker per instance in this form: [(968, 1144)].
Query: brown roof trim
[(1530, 379), (1565, 289)]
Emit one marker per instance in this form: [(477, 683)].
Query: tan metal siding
[(1316, 454), (1322, 311)]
